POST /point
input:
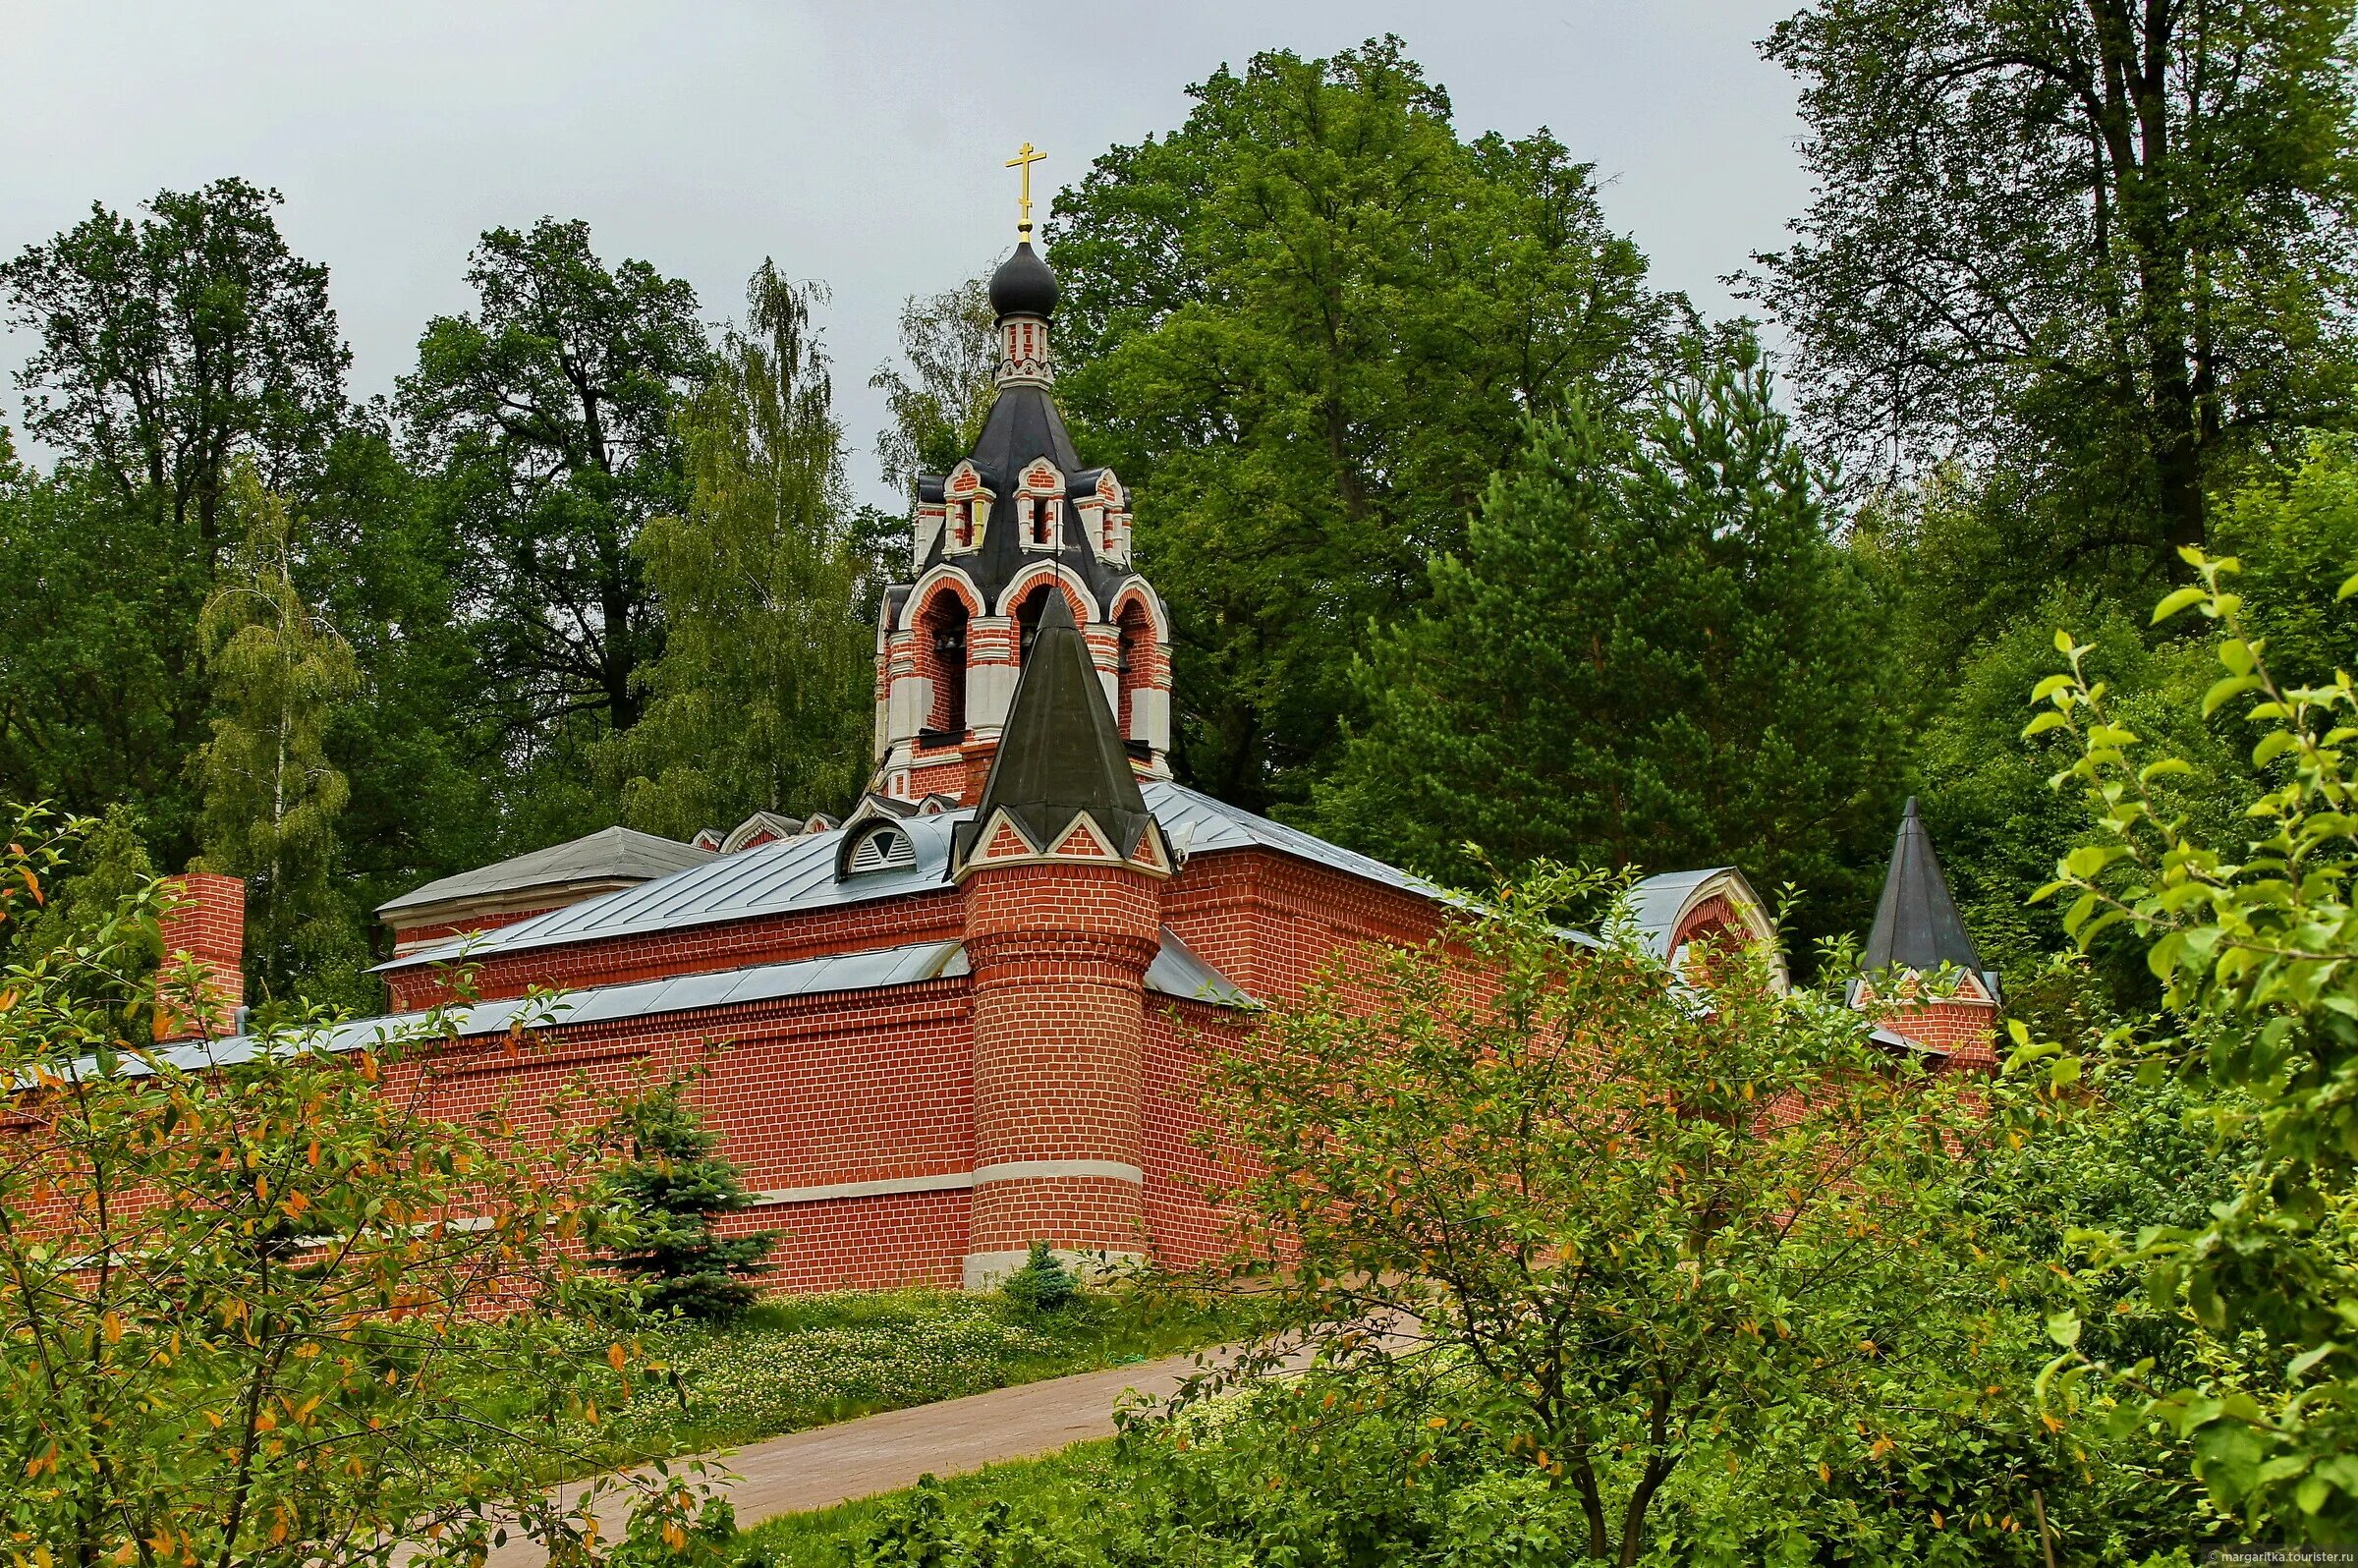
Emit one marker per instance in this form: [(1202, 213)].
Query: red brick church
[(961, 1019)]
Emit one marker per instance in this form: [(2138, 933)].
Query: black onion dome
[(1023, 285)]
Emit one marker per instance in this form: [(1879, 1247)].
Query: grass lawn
[(1050, 1490), (800, 1362)]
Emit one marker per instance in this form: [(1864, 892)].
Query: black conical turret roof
[(1915, 921), (1061, 754)]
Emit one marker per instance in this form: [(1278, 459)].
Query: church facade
[(969, 1016)]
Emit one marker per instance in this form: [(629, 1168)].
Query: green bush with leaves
[(1631, 1219), (2253, 941), (242, 1287)]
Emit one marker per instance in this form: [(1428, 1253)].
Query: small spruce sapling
[(1043, 1284), (674, 1187)]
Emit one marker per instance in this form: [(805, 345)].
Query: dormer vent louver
[(883, 850)]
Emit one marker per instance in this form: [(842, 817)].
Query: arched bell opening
[(942, 661)]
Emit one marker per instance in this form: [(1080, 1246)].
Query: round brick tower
[(1060, 871)]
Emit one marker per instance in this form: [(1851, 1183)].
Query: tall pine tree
[(1651, 654)]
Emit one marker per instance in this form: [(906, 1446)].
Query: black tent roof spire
[(1061, 756), (1915, 921)]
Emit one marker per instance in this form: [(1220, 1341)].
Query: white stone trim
[(985, 1270), (950, 1181), (1159, 616), (922, 591), (1018, 1170), (1038, 572)]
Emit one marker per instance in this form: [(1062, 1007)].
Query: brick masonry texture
[(204, 925), (1049, 1050)]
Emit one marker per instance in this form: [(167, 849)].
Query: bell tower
[(1017, 522)]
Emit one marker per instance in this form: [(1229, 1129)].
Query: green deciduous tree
[(2251, 932), (1306, 325), (2105, 243), (2001, 827), (1621, 1220), (671, 1190), (760, 699), (1649, 652), (431, 793), (544, 418), (239, 1303), (940, 391), (171, 345), (271, 793)]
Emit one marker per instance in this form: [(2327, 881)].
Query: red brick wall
[(877, 1243), (693, 949), (1052, 1050), (1181, 1038), (206, 925), (1964, 1032), (1271, 922), (805, 1092)]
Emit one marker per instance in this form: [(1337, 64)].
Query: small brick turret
[(1060, 875), (1923, 980), (205, 923)]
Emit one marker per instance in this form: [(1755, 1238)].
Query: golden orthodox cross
[(1024, 160)]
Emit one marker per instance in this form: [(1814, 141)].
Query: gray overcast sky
[(858, 143)]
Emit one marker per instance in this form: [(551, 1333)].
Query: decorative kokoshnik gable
[(966, 1018)]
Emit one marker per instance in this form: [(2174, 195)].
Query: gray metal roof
[(1177, 971), (797, 875), (1654, 904), (611, 855)]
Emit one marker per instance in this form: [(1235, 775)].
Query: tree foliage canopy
[(1642, 1213), (1306, 325), (2106, 242), (239, 1301), (1649, 654), (172, 346), (546, 419), (2251, 932), (271, 794), (760, 700)]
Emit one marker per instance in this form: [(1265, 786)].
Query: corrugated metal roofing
[(1177, 972), (796, 874), (869, 970)]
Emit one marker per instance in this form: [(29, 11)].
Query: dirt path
[(828, 1464)]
